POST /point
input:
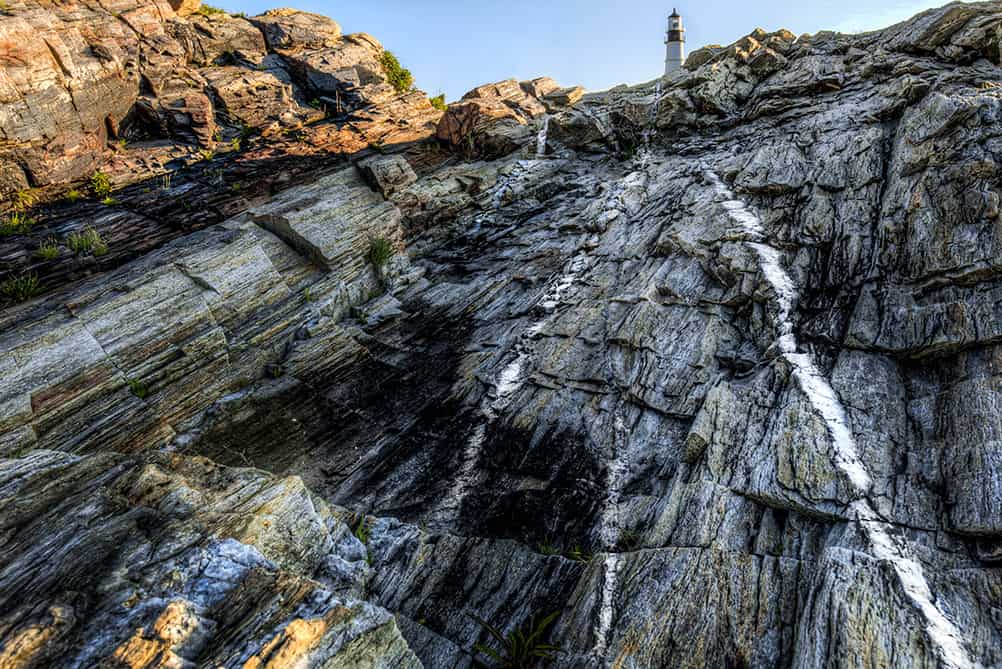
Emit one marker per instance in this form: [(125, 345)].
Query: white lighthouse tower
[(675, 40)]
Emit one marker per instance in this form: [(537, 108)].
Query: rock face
[(78, 76), (707, 366)]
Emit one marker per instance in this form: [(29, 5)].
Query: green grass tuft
[(524, 647), (397, 75), (72, 195), (88, 241), (380, 251), (100, 184), (25, 199), (48, 250), (138, 388), (20, 288), (18, 223)]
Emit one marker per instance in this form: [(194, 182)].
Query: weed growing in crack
[(100, 185), (362, 532), (380, 251), (18, 223), (523, 648), (48, 250), (21, 288), (138, 388), (88, 241)]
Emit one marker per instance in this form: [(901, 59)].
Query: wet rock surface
[(707, 366)]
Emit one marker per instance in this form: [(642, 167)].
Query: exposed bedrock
[(709, 366)]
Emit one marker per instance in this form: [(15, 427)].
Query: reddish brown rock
[(293, 29), (539, 87), (510, 92), (257, 99), (351, 64), (565, 97), (219, 39)]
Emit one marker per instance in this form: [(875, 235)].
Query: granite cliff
[(334, 377)]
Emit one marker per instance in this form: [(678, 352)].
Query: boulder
[(294, 30), (483, 125), (510, 93), (539, 87), (565, 97), (387, 174), (351, 67), (219, 39), (258, 99)]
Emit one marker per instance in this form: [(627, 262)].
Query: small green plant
[(469, 144), (88, 241), (123, 143), (206, 154), (398, 76), (18, 223), (274, 370), (25, 199), (307, 294), (209, 10), (523, 648), (48, 250), (380, 251), (578, 555), (362, 530), (235, 144), (109, 201), (100, 184), (165, 181), (629, 541), (438, 102), (547, 548), (20, 288), (72, 195), (138, 388)]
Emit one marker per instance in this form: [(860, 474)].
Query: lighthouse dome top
[(674, 14)]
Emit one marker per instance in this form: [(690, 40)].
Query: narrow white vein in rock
[(609, 535), (614, 480), (606, 607), (508, 382), (541, 137), (939, 628), (810, 379)]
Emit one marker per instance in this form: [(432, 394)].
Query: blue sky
[(452, 46)]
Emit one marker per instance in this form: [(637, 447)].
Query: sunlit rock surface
[(708, 366)]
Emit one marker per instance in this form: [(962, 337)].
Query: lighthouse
[(675, 41)]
